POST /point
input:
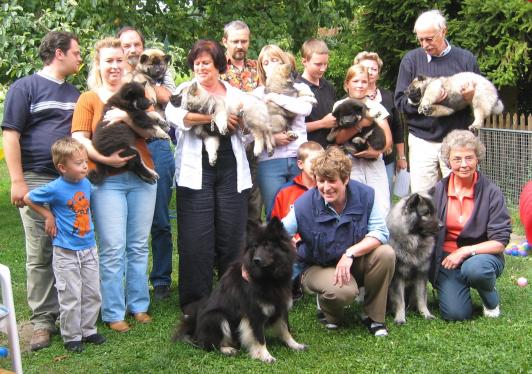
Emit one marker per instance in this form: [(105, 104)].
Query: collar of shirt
[(49, 77), (248, 64), (310, 84), (445, 52), (330, 207), (451, 191)]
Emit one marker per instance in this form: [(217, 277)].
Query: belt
[(149, 140)]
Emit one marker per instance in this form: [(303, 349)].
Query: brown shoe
[(40, 339), (119, 326), (142, 317)]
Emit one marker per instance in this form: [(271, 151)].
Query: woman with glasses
[(476, 228)]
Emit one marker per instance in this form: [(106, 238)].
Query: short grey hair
[(462, 139), (431, 18), (235, 25)]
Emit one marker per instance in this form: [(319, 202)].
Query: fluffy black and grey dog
[(348, 114), (253, 294), (109, 138), (413, 226)]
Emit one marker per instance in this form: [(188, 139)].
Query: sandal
[(375, 328)]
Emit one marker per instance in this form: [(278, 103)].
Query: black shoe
[(161, 292), (375, 328), (95, 339), (74, 346)]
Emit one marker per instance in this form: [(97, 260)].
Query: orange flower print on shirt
[(80, 206)]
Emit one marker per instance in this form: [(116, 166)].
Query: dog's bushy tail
[(498, 107), (186, 328)]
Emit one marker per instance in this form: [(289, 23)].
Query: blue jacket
[(326, 235)]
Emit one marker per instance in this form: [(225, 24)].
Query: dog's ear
[(412, 201), (144, 58), (167, 59), (421, 77), (275, 228)]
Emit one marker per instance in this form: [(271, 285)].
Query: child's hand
[(49, 226)]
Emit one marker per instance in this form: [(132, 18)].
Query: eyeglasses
[(468, 160), (428, 40)]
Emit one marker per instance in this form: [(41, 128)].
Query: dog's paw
[(399, 320), (298, 347), (292, 135), (474, 126), (425, 109), (269, 359), (428, 316), (228, 351)]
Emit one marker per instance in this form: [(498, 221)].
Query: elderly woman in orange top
[(476, 228), (123, 204)]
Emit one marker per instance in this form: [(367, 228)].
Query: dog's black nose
[(257, 261)]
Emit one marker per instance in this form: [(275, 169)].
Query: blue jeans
[(453, 285), (123, 210), (211, 225), (390, 172), (271, 175), (161, 230)]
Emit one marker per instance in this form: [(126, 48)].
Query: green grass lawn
[(482, 345)]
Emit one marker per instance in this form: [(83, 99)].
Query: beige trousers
[(373, 271)]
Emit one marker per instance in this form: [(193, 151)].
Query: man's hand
[(18, 191), (468, 91)]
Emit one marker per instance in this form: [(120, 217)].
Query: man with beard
[(38, 111), (161, 231), (242, 74), (435, 57)]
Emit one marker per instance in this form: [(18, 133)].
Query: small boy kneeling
[(75, 258)]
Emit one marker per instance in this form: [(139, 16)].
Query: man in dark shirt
[(315, 58), (38, 111), (434, 58)]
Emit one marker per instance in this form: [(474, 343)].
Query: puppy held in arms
[(254, 293), (150, 71), (425, 91), (109, 138), (413, 227), (257, 113), (348, 114)]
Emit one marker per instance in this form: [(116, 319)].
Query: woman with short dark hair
[(476, 228), (211, 199)]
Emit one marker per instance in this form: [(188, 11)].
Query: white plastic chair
[(8, 321)]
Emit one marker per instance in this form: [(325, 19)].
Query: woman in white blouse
[(211, 200)]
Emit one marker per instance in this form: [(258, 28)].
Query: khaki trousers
[(426, 165), (373, 271), (42, 295)]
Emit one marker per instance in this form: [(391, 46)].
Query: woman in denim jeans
[(476, 228), (123, 204), (281, 167)]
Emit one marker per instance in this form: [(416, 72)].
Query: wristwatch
[(401, 158), (473, 253), (350, 255)]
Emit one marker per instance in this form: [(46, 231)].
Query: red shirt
[(286, 196), (458, 213)]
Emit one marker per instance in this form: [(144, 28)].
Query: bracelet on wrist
[(401, 158)]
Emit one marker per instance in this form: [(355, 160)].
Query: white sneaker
[(491, 313)]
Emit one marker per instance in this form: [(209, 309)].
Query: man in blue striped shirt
[(38, 111)]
